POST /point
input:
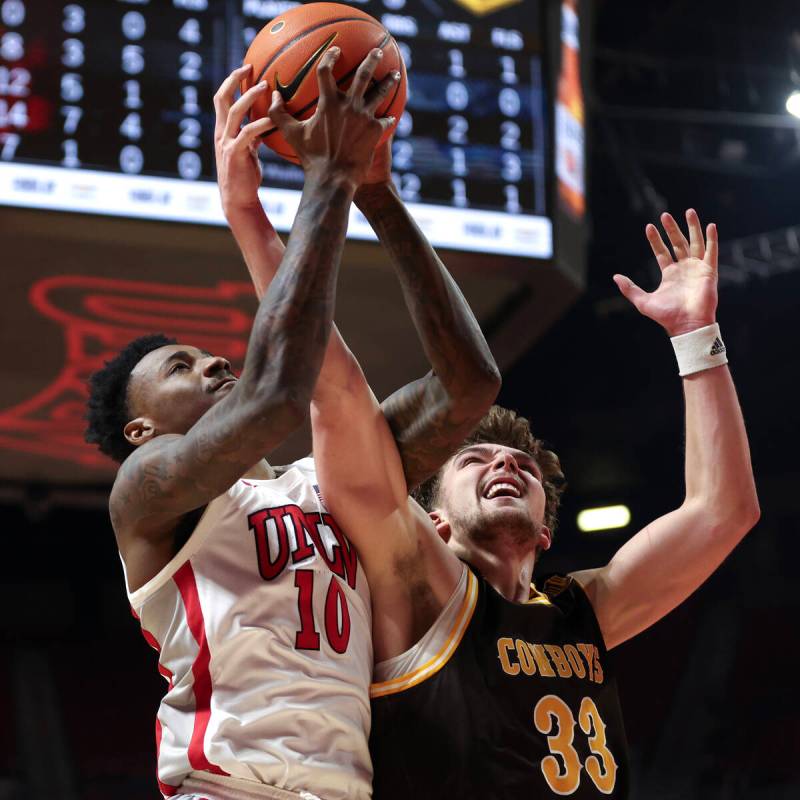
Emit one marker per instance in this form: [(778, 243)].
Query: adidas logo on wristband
[(717, 348), (699, 350)]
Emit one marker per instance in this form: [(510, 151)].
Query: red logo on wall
[(98, 317)]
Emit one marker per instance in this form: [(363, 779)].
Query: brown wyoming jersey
[(519, 703)]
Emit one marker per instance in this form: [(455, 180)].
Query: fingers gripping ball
[(287, 51)]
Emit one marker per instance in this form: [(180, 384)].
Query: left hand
[(686, 299), (236, 146)]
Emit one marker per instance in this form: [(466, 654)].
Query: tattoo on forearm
[(284, 355), (430, 417)]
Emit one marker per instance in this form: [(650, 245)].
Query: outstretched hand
[(342, 134), (686, 298), (236, 146)]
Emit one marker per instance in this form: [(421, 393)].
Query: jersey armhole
[(437, 646), (585, 604), (195, 541)]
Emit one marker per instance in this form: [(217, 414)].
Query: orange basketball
[(287, 50)]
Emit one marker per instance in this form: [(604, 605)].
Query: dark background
[(686, 110)]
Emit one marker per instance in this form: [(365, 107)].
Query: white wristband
[(699, 350)]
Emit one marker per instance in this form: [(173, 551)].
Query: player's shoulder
[(556, 584), (559, 590), (568, 594), (139, 475)]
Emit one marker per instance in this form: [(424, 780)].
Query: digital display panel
[(570, 114), (106, 107)]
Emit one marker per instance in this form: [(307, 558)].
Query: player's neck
[(507, 568)]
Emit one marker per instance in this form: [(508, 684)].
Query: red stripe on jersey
[(151, 640), (187, 586), (164, 788)]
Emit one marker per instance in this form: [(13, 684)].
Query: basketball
[(285, 53)]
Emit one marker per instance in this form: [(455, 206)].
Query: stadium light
[(793, 103), (603, 519)]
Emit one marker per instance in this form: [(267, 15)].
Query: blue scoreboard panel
[(105, 108)]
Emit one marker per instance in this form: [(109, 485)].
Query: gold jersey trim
[(535, 596), (434, 664)]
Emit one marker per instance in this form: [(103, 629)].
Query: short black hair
[(107, 408)]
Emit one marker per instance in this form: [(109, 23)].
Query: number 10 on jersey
[(337, 613)]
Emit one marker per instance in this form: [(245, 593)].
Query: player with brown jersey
[(485, 686)]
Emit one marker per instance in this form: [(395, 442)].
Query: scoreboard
[(106, 108)]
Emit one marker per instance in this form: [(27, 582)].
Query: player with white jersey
[(240, 577), (248, 586)]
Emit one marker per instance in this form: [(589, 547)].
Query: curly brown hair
[(504, 426)]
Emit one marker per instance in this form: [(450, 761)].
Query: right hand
[(340, 138), (686, 298), (236, 146)]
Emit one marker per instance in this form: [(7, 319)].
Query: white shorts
[(195, 788)]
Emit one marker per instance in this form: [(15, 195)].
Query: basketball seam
[(341, 80), (313, 28)]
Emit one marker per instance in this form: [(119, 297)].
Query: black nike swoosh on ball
[(290, 90)]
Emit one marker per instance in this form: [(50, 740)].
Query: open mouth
[(224, 383), (502, 489)]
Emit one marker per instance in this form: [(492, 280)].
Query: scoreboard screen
[(106, 108)]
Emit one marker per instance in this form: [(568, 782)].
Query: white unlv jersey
[(263, 623)]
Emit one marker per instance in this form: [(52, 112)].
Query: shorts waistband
[(221, 788)]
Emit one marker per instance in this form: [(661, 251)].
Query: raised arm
[(239, 178), (411, 571), (173, 474), (366, 467), (433, 415), (671, 557)]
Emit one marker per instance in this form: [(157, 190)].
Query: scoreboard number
[(74, 18), (190, 32), (72, 55), (8, 145), (134, 25), (133, 98), (70, 159), (458, 127), (72, 117), (12, 47), (12, 13), (15, 82)]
